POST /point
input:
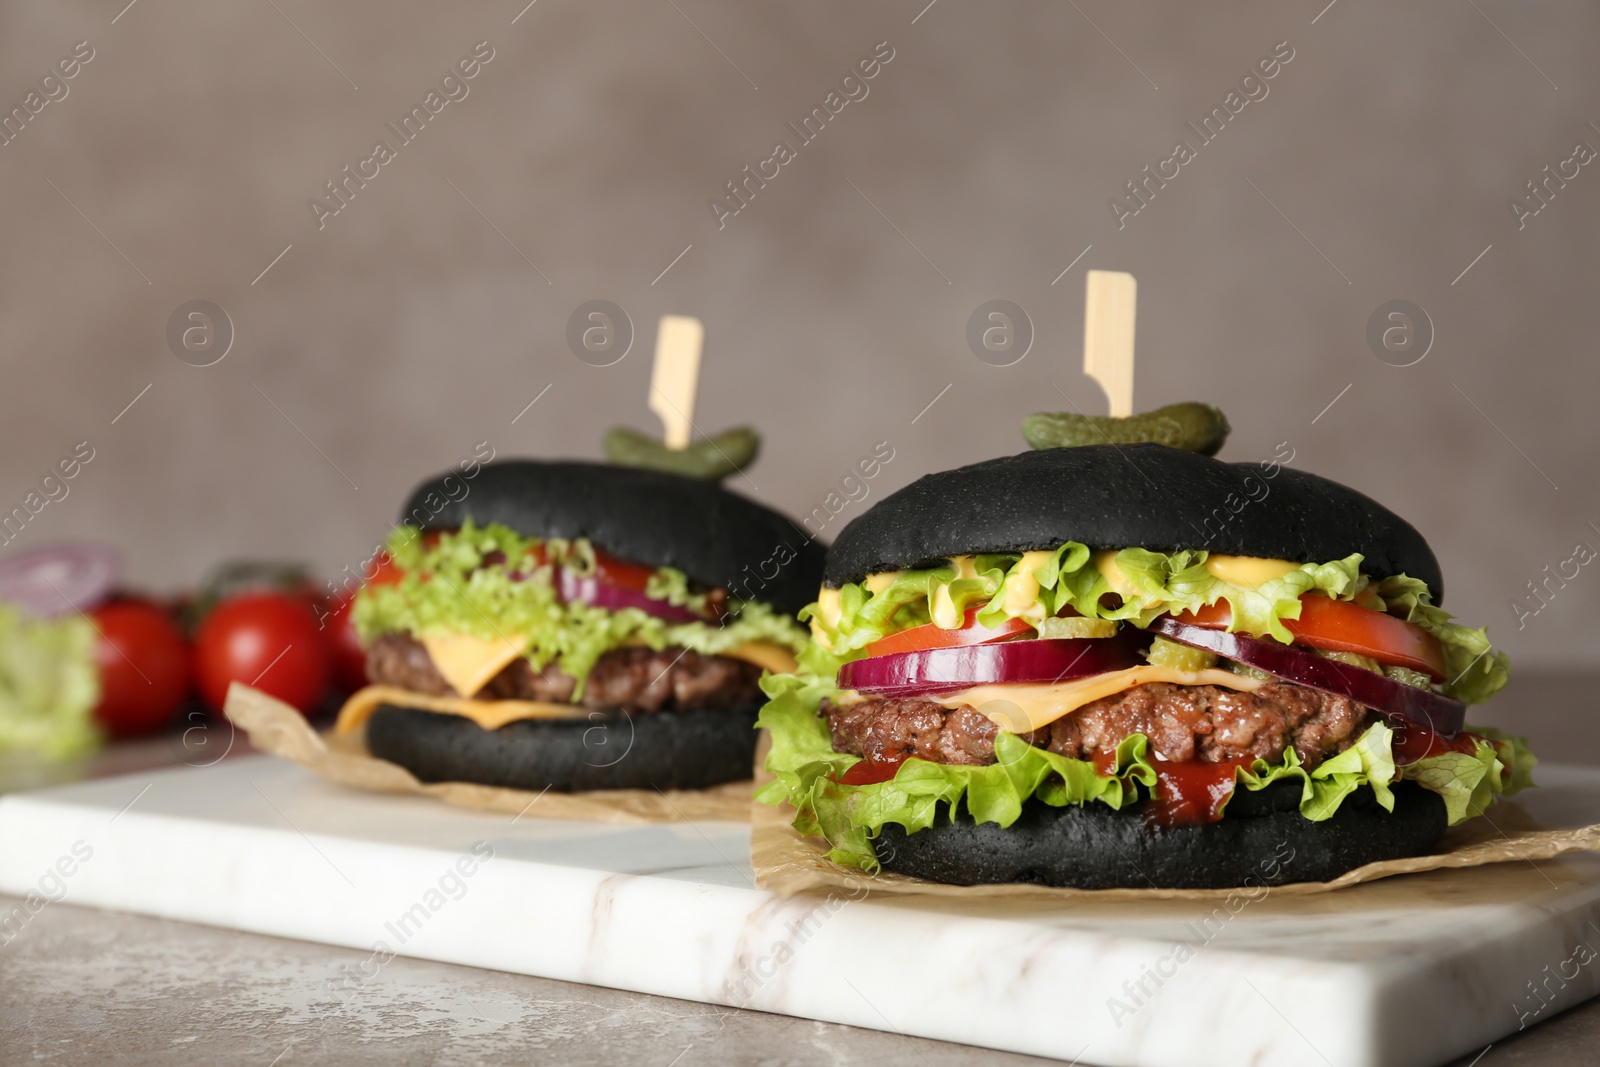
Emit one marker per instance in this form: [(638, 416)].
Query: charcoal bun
[(604, 750), (716, 537), (1263, 842), (1129, 496)]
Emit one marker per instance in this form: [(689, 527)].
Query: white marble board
[(1407, 971)]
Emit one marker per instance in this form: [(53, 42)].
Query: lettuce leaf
[(458, 585), (49, 685), (1474, 669), (805, 766), (1147, 584)]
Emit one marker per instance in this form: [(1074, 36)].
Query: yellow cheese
[(1106, 561), (943, 609), (765, 654), (877, 583), (1248, 571), (468, 663), (1021, 708), (828, 608), (489, 714), (1022, 588)]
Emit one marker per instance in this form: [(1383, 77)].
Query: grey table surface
[(81, 985)]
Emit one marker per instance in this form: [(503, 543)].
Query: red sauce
[(870, 772), (1413, 742), (1191, 793), (1186, 794)]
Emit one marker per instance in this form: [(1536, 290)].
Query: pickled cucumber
[(1179, 657), (712, 458), (1355, 659), (1076, 626), (1192, 427)]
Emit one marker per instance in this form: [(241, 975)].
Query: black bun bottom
[(1263, 841), (607, 750)]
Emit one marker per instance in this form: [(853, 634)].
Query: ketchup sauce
[(870, 772), (1191, 793), (1413, 742)]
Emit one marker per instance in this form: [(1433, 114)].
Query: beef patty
[(633, 679), (1207, 723)]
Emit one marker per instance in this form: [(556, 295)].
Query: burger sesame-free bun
[(1261, 840), (715, 537), (1129, 496), (605, 750)]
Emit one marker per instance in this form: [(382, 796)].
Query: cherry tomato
[(348, 658), (144, 667), (929, 635), (1341, 626), (269, 641)]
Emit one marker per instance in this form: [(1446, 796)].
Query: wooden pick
[(675, 377), (1110, 305)]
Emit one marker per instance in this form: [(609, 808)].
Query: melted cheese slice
[(766, 655), (468, 663), (489, 714), (1022, 708)]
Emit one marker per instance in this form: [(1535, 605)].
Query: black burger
[(576, 626), (1133, 666)]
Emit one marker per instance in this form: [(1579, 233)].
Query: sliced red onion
[(943, 670), (61, 580), (593, 591), (1424, 707)]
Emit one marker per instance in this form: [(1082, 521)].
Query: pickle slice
[(1192, 427), (712, 458)]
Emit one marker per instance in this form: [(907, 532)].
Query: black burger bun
[(1129, 496), (716, 537), (1264, 841), (605, 750)]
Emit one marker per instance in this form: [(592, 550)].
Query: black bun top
[(1129, 496), (716, 537)]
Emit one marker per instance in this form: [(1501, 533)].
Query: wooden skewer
[(676, 376), (1110, 308)]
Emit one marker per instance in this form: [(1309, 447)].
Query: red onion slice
[(943, 670), (591, 590), (1424, 707), (58, 581)]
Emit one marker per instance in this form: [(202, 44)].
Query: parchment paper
[(276, 728), (786, 863)]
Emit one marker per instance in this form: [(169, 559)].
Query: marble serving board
[(1406, 971)]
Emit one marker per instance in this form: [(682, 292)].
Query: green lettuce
[(1151, 584), (49, 684), (1474, 669), (459, 584), (805, 768)]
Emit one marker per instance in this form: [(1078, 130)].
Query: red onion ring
[(943, 670), (58, 581), (592, 591), (1439, 713)]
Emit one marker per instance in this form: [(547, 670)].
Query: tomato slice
[(928, 635), (384, 571), (1343, 626), (620, 574)]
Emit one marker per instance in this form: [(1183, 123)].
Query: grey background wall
[(427, 313)]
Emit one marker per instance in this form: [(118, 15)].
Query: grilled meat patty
[(1207, 723), (633, 679)]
